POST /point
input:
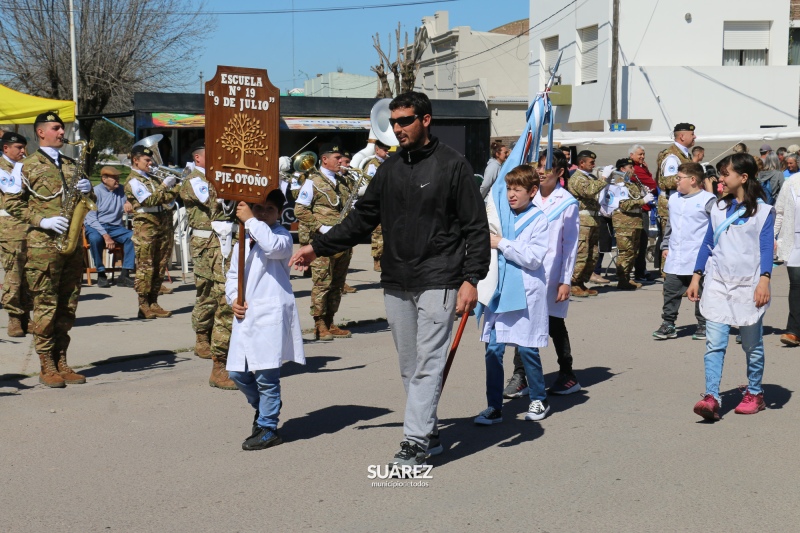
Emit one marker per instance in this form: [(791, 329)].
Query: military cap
[(49, 116), (624, 162), (109, 171), (330, 148), (10, 137), (347, 154), (199, 144), (276, 197), (141, 150), (683, 126), (587, 153)]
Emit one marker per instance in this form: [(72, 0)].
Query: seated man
[(104, 227)]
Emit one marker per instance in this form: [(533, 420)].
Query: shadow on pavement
[(135, 363), (329, 420), (102, 319), (13, 381), (775, 397), (314, 364), (95, 296)]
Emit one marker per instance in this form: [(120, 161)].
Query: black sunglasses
[(403, 121)]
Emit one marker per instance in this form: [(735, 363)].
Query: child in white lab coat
[(523, 251), (266, 330)]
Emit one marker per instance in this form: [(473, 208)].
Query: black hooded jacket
[(435, 231)]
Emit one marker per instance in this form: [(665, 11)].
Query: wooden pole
[(614, 61), (454, 347), (242, 244)]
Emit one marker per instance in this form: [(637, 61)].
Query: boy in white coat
[(521, 268), (266, 331)]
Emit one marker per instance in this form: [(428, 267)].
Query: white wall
[(656, 36), (342, 85)]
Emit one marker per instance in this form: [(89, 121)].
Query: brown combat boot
[(144, 308), (16, 326), (165, 290), (347, 289), (335, 330), (321, 330), (159, 311), (219, 376), (69, 376), (49, 376), (627, 285), (376, 265), (202, 345), (578, 292)]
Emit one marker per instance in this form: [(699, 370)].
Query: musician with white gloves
[(370, 168), (152, 229), (54, 279)]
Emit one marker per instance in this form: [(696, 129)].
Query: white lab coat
[(562, 247), (270, 332), (527, 327)]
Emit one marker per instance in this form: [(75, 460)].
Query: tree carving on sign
[(243, 134)]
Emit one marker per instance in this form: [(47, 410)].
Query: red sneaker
[(708, 408), (751, 404)]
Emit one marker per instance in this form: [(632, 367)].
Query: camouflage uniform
[(152, 234), (328, 273), (211, 314), (54, 280), (667, 184), (586, 188), (377, 234), (627, 221), (15, 297)]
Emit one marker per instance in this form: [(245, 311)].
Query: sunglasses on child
[(403, 121)]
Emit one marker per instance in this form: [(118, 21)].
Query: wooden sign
[(242, 125)]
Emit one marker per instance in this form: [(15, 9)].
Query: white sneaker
[(537, 410)]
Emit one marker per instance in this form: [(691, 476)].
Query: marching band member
[(13, 248), (54, 279), (667, 165), (692, 207), (211, 223), (370, 168), (627, 222), (736, 259), (152, 229), (586, 188)]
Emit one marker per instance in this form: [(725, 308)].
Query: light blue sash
[(730, 220), (560, 209)]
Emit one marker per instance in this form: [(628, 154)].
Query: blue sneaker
[(263, 438), (489, 416)]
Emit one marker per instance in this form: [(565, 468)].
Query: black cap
[(10, 137), (382, 145), (49, 116), (330, 148), (276, 197), (624, 162), (141, 150), (587, 153), (683, 126), (347, 154), (199, 144)]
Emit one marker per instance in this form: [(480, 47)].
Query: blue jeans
[(262, 388), (716, 343), (120, 235), (494, 371)]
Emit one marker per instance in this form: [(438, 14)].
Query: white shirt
[(270, 332), (54, 154)]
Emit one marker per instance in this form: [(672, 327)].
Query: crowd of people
[(514, 250)]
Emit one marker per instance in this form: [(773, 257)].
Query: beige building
[(459, 63)]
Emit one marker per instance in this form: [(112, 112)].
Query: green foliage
[(107, 136)]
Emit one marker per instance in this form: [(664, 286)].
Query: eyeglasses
[(403, 121)]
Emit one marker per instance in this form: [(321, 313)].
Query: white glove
[(648, 198), (607, 170), (57, 224), (362, 190), (84, 185), (169, 181), (324, 229)]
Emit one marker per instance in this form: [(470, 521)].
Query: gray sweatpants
[(421, 323)]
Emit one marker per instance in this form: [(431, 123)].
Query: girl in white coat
[(736, 257), (523, 252), (787, 233), (266, 331)]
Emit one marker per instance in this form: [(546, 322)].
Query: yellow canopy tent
[(20, 108)]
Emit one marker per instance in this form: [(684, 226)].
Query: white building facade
[(460, 63), (719, 64), (341, 85)]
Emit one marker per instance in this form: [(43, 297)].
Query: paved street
[(147, 445)]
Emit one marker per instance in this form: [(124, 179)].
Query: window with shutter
[(550, 47), (745, 43), (587, 38)]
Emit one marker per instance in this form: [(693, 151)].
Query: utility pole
[(614, 61), (202, 89), (73, 53)]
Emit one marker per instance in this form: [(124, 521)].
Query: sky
[(292, 47)]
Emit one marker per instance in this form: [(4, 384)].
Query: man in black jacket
[(436, 248)]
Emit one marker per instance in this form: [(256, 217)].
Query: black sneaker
[(410, 453), (666, 331), (489, 416), (517, 386), (102, 281), (263, 438), (699, 333), (255, 425), (565, 384), (738, 339), (434, 444), (125, 281)]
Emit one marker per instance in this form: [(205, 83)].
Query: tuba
[(159, 170), (75, 205)]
